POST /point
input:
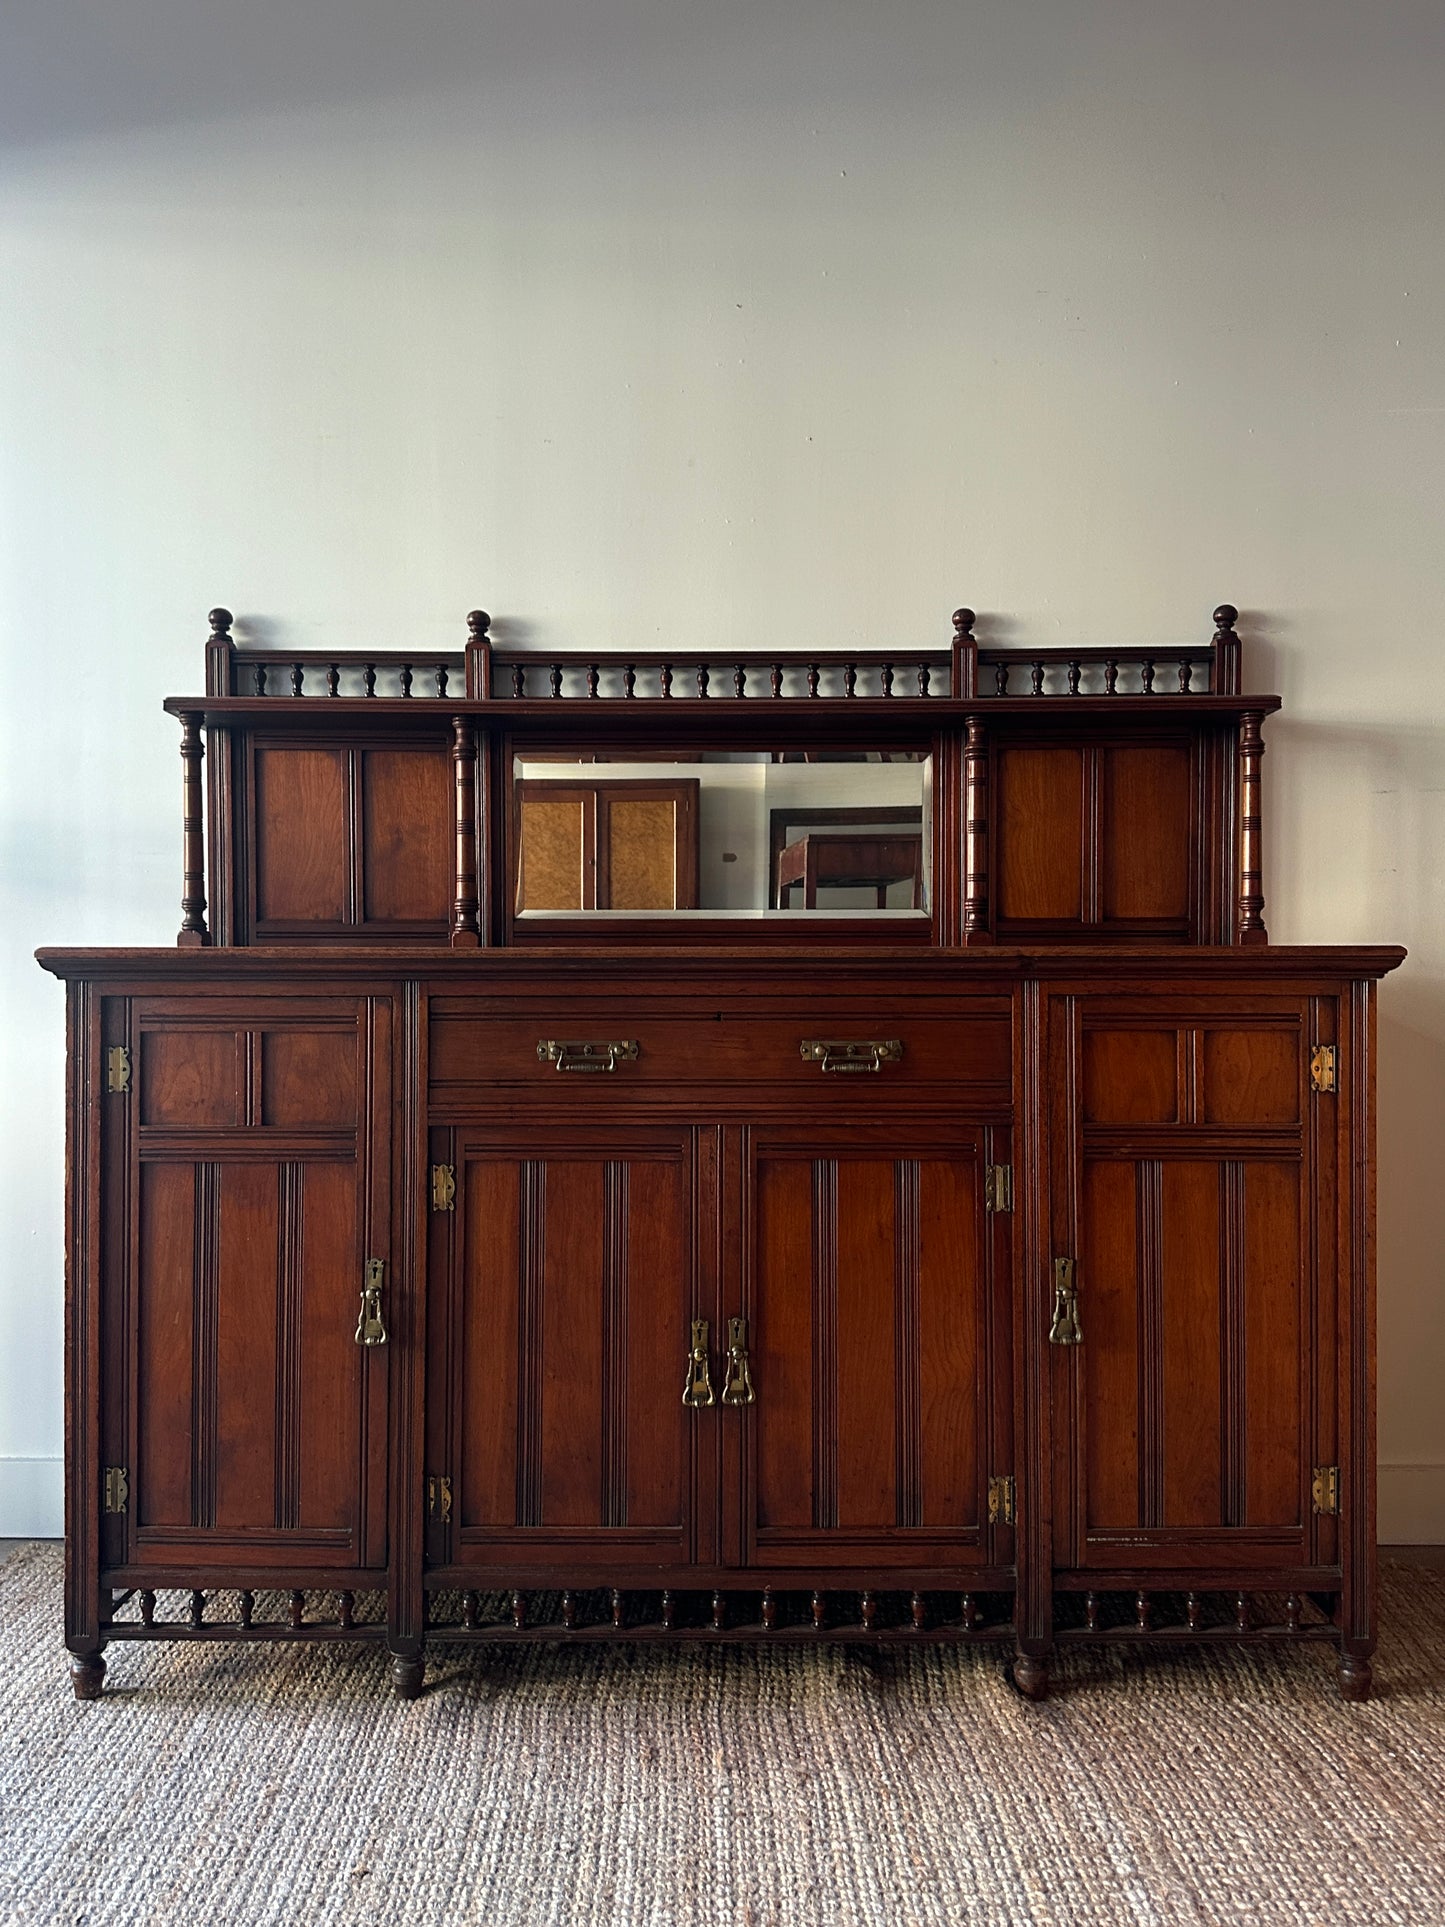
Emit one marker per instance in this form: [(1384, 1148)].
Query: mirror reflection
[(778, 833)]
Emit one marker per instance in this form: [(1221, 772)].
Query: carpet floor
[(607, 1787)]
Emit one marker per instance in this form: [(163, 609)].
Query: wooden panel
[(407, 844), (490, 1340), (302, 835), (1144, 831), (168, 1252), (246, 1330), (552, 856), (866, 1358), (949, 1331), (1191, 1313), (188, 1078), (785, 1343), (1272, 1318), (308, 1078), (1109, 1287), (652, 1342), (1040, 815), (1130, 1076), (327, 1384), (570, 1366), (642, 853), (1251, 1076)]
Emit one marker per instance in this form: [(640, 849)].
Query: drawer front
[(822, 1047)]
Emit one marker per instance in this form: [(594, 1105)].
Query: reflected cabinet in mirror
[(747, 834)]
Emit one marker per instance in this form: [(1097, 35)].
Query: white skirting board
[(1412, 1502), (32, 1498)]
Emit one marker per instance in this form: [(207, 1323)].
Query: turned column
[(975, 835), (193, 846), (466, 930), (1250, 919)]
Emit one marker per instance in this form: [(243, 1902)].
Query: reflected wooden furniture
[(850, 860), (621, 845), (437, 1277)]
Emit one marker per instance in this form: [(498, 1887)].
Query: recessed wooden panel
[(1108, 1286), (1273, 1309), (866, 1344), (642, 853), (783, 1342), (247, 1306), (1251, 1076), (490, 1288), (1144, 832), (1130, 1076), (570, 1362), (950, 1321), (302, 835), (188, 1078), (327, 1380), (1040, 815), (1189, 1343), (653, 1338), (407, 846), (165, 1367), (551, 853), (308, 1078)]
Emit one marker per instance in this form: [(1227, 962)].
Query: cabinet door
[(562, 1287), (876, 1290), (1192, 1183), (258, 1172)]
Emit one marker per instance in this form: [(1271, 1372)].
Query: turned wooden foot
[(87, 1675), (408, 1673), (1356, 1677), (1031, 1676)]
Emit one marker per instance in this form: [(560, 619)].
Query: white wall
[(757, 322)]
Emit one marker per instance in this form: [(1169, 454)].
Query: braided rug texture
[(768, 1788)]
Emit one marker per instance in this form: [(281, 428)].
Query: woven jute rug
[(769, 1788)]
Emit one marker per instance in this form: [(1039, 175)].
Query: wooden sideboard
[(446, 1274)]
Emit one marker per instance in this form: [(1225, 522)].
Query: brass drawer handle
[(697, 1390), (369, 1327), (1065, 1328), (870, 1055), (588, 1056), (739, 1387)]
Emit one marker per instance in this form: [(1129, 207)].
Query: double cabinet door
[(656, 1350), (246, 1191)]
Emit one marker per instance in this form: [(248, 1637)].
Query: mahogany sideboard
[(443, 1270)]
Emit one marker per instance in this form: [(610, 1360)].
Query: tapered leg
[(87, 1675), (408, 1675)]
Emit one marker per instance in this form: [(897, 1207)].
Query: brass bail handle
[(738, 1389), (1065, 1329), (369, 1327), (697, 1388)]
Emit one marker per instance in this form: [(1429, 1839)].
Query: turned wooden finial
[(478, 623), (478, 656), (963, 680), (1225, 681), (963, 621), (1225, 617), (220, 621)]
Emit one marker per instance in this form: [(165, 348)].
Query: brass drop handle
[(1065, 1329), (603, 1054), (697, 1389), (369, 1328), (833, 1054), (738, 1389)]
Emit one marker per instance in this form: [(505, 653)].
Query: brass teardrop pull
[(1065, 1329), (369, 1327), (739, 1387), (697, 1388)]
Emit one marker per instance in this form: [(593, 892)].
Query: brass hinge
[(1325, 1067), (998, 1188), (1001, 1500), (117, 1068), (443, 1187), (439, 1499), (1325, 1488), (115, 1489)]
